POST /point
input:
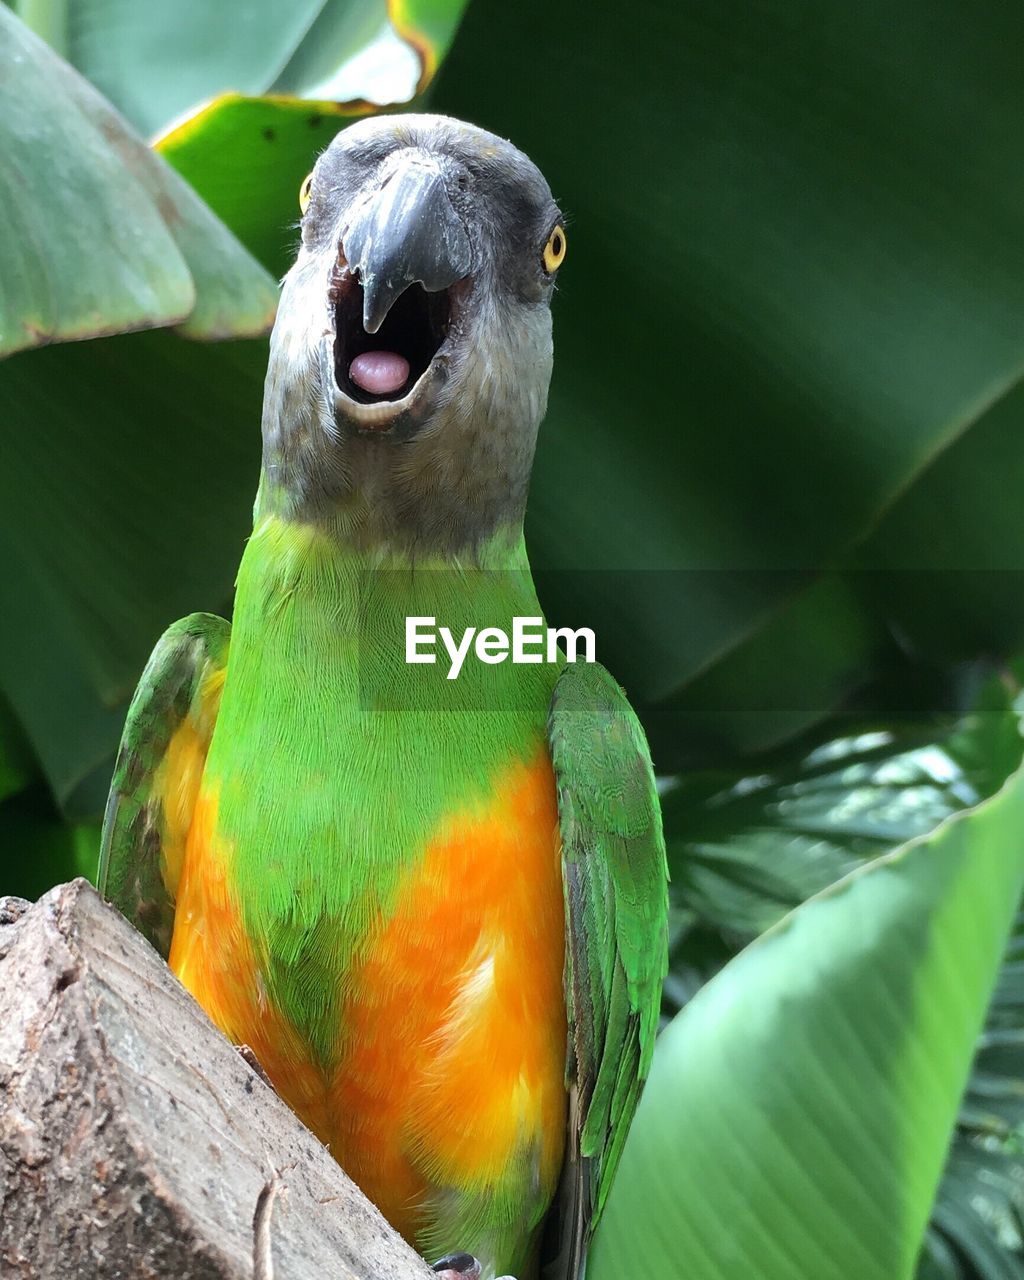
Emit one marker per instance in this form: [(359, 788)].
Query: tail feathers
[(567, 1234)]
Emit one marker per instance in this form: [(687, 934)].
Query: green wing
[(616, 905), (158, 770)]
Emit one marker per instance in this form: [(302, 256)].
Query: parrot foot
[(457, 1266), (460, 1266), (250, 1059)]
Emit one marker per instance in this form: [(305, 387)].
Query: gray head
[(411, 356)]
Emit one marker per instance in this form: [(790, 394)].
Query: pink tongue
[(379, 372)]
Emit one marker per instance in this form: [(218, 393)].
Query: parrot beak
[(406, 233), (395, 293)]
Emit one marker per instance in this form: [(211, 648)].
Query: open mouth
[(384, 367)]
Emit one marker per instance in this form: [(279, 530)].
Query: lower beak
[(407, 232)]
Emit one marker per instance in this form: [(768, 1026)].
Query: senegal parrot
[(434, 908)]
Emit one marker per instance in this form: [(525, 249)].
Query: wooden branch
[(134, 1139)]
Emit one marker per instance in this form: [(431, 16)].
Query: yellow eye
[(554, 250), (304, 192)]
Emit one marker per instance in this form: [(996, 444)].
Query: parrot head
[(412, 352)]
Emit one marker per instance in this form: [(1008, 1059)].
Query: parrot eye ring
[(554, 250), (305, 191)]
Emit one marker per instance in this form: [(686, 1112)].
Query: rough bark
[(136, 1142)]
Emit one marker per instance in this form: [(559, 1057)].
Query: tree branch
[(135, 1141)]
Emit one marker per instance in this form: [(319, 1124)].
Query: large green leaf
[(817, 1000), (248, 156), (118, 497), (16, 765), (795, 275), (804, 659), (744, 850), (137, 518), (157, 61), (100, 235), (429, 26), (946, 564), (979, 1210)]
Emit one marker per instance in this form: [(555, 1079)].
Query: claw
[(457, 1266), (250, 1059)]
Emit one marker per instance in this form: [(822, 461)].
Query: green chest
[(334, 760)]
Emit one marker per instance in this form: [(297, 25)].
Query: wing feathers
[(156, 777), (616, 899)]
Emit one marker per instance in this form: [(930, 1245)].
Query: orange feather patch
[(180, 774), (213, 957), (456, 1028), (451, 1076)]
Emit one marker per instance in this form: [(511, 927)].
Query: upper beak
[(406, 232)]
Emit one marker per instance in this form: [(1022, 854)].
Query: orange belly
[(451, 1071)]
